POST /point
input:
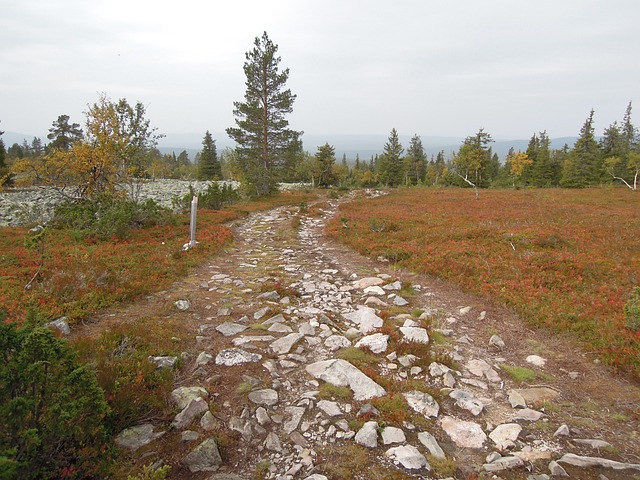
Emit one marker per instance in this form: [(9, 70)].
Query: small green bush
[(632, 311), (51, 407), (383, 225), (108, 216), (150, 473), (215, 197)]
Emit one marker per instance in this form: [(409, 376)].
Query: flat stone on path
[(236, 356), (365, 318), (503, 463), (431, 444), (398, 301), (526, 414), (422, 403), (163, 361), (342, 374), (182, 396), (266, 397), (586, 462), (279, 318), (517, 400), (480, 368), (280, 328), (61, 325), (594, 443), (182, 305), (196, 407), (336, 342), (467, 401), (409, 457), (393, 286), (505, 435), (330, 408), (367, 436), (204, 458), (377, 342), (415, 334), (229, 329), (285, 344), (375, 290), (536, 360), (535, 395), (368, 282), (464, 434), (295, 415), (138, 436), (393, 435)]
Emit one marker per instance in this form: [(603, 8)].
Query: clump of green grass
[(519, 374), (244, 388), (393, 409), (328, 391), (343, 462), (620, 417), (258, 326), (357, 356), (439, 338), (444, 467), (262, 469), (149, 473)]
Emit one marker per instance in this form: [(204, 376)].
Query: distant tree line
[(118, 147)]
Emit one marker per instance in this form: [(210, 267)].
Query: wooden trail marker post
[(194, 213)]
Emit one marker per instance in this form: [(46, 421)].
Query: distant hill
[(350, 145), (9, 138)]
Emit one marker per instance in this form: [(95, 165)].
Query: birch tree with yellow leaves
[(112, 158)]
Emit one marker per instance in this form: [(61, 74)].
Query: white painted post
[(194, 212)]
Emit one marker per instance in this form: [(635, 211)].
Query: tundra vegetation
[(565, 259)]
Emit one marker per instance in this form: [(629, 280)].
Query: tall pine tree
[(262, 134), (63, 134)]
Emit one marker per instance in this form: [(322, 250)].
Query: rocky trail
[(309, 361)]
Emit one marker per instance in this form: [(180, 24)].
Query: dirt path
[(267, 321)]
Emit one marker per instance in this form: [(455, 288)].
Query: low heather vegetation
[(567, 260)]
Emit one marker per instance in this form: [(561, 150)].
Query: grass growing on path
[(564, 259)]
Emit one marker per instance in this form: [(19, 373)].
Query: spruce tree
[(326, 158), (473, 161), (2, 153), (262, 134), (628, 130), (541, 172), (209, 167), (583, 166), (416, 161), (293, 156), (390, 169)]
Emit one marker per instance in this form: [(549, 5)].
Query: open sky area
[(435, 68)]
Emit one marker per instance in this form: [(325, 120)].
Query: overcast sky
[(444, 67)]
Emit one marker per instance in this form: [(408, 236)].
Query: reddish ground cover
[(80, 277), (564, 259)]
